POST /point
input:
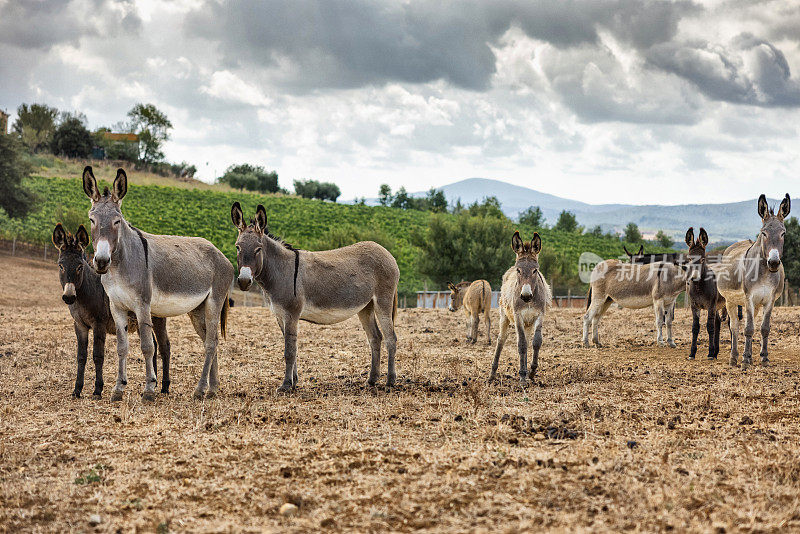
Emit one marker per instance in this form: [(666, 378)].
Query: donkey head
[(70, 260), (457, 292), (527, 264), (105, 216), (249, 251), (772, 230), (696, 265)]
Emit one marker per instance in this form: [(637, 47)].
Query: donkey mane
[(272, 236)]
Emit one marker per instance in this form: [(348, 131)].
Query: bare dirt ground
[(629, 437)]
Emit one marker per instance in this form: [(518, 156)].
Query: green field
[(304, 223)]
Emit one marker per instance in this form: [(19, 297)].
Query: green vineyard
[(309, 224)]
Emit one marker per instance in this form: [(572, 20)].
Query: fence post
[(569, 298), (45, 253), (14, 245)]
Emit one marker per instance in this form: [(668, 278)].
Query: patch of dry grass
[(628, 437)]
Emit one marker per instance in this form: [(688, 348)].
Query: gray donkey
[(633, 285), (88, 305), (702, 292), (157, 275), (524, 299), (324, 287), (751, 275)]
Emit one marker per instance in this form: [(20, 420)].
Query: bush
[(250, 177), (15, 199), (72, 139)]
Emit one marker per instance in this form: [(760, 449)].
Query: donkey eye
[(256, 251), (91, 221), (116, 223), (61, 268)]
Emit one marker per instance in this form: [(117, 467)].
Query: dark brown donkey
[(324, 287), (702, 289), (88, 305)]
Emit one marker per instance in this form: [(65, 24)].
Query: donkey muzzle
[(101, 265), (245, 278), (773, 260), (69, 294), (527, 293)]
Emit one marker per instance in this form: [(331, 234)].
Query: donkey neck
[(278, 266), (128, 252)]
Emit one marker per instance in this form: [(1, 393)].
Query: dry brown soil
[(628, 437)]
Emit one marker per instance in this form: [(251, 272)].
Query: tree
[(533, 217), (464, 248), (488, 207), (384, 195), (663, 239), (316, 189), (72, 139), (14, 198), (632, 233), (436, 201), (567, 222), (35, 125), (153, 128), (597, 231), (402, 200), (250, 177), (791, 252)]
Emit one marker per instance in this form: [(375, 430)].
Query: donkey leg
[(695, 331), (749, 329), (374, 338), (710, 326), (658, 310), (589, 318), (669, 316), (501, 339), (522, 348), (82, 333), (289, 353), (717, 329), (121, 324), (162, 340), (383, 312), (476, 319), (733, 325), (208, 385), (98, 357), (765, 326), (487, 318), (148, 351), (536, 344)]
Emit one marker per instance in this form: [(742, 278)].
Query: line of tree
[(316, 189), (434, 200), (251, 177)]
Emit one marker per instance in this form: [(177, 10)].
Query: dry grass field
[(628, 437)]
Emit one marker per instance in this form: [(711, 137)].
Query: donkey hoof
[(390, 381), (117, 395), (586, 344), (733, 362), (199, 394), (672, 344), (76, 394), (211, 393), (711, 357), (764, 362), (96, 396), (148, 396), (284, 388)]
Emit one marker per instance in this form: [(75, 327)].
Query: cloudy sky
[(597, 100)]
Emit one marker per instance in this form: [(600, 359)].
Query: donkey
[(88, 305), (641, 257), (324, 287), (156, 275), (524, 299), (476, 297), (633, 286), (702, 292), (751, 275)]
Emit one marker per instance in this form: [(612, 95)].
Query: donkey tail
[(394, 306), (223, 317), (589, 298)]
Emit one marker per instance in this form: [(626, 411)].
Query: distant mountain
[(724, 222)]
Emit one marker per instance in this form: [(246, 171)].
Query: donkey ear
[(517, 245), (59, 236), (450, 286), (82, 237), (237, 217), (763, 207), (90, 184), (536, 243), (703, 237), (261, 217), (120, 184), (690, 236), (626, 251), (786, 206), (641, 251)]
